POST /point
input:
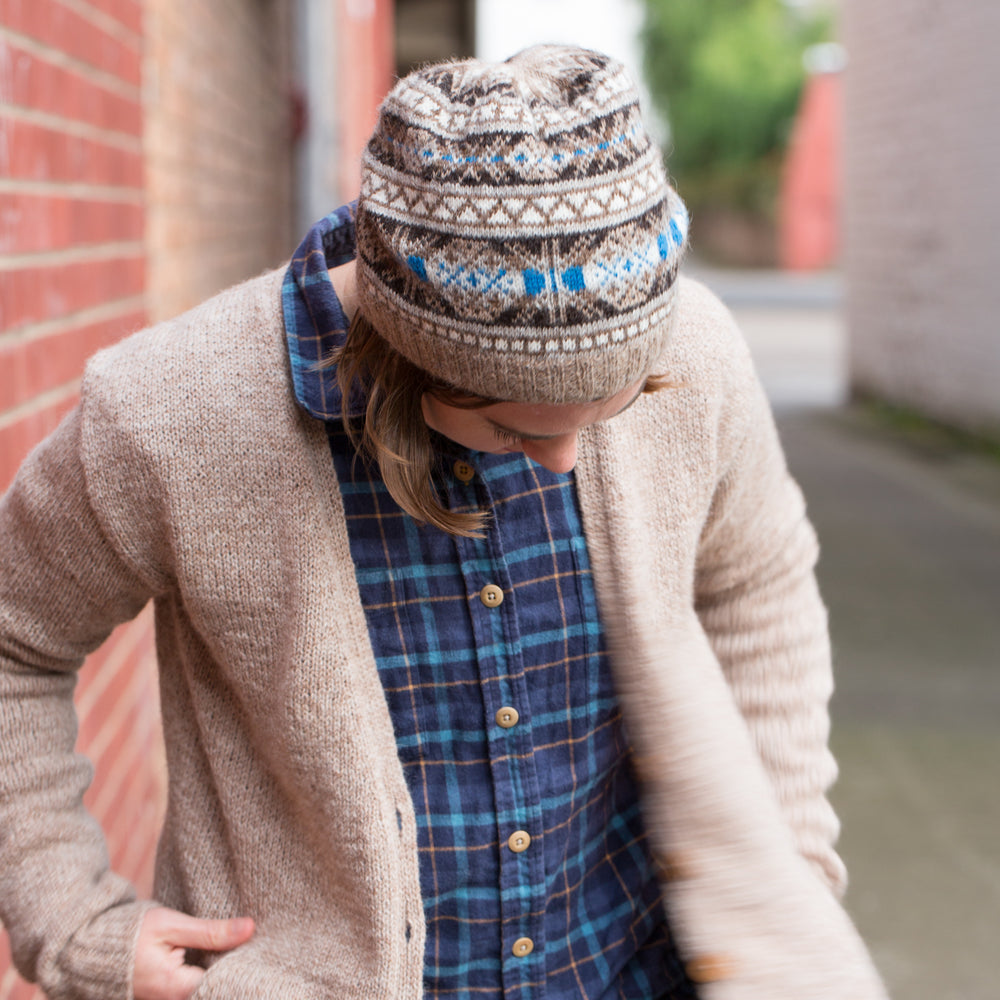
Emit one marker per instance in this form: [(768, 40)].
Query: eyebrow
[(550, 437)]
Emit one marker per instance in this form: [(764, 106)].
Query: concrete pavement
[(910, 569)]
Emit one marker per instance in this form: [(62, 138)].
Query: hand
[(160, 972)]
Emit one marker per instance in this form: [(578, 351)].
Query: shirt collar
[(315, 323)]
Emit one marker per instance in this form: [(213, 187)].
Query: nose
[(556, 454)]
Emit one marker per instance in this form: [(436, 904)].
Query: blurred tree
[(728, 75)]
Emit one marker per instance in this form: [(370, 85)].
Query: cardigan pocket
[(246, 974)]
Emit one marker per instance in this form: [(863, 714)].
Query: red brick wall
[(145, 163), (71, 183), (72, 279)]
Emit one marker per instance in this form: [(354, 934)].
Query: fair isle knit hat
[(516, 234)]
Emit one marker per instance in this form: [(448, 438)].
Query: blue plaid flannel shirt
[(536, 875)]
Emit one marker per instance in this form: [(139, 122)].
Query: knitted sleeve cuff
[(98, 961)]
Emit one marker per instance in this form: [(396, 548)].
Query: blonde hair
[(392, 431)]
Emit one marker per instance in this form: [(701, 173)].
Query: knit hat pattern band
[(516, 234)]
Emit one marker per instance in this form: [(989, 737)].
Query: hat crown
[(563, 85), (543, 115)]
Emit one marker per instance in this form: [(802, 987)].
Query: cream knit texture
[(189, 475)]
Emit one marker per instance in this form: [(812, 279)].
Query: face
[(545, 432)]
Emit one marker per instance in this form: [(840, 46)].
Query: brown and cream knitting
[(516, 233)]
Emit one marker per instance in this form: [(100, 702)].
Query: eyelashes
[(505, 437)]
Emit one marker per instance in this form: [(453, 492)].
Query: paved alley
[(910, 569)]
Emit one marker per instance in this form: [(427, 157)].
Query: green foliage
[(728, 74)]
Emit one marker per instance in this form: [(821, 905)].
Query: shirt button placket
[(507, 717)]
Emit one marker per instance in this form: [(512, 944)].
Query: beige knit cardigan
[(189, 475)]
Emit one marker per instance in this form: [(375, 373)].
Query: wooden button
[(523, 947), (709, 969), (519, 840), (491, 595), (463, 471), (507, 717)]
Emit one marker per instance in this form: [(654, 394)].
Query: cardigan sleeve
[(758, 601), (63, 587)]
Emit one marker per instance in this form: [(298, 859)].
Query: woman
[(492, 658)]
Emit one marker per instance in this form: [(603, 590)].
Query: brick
[(133, 826), (19, 437), (101, 729), (127, 13), (62, 28), (33, 82), (110, 749), (35, 294), (118, 704), (39, 153), (12, 986), (44, 363), (32, 223), (114, 798), (123, 723)]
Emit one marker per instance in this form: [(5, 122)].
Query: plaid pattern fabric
[(584, 891)]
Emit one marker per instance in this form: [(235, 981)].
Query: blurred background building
[(154, 152), (923, 208)]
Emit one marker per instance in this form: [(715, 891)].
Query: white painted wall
[(922, 159)]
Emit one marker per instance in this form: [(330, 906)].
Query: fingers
[(159, 978), (159, 971), (180, 930), (183, 981)]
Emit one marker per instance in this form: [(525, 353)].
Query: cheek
[(464, 427)]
